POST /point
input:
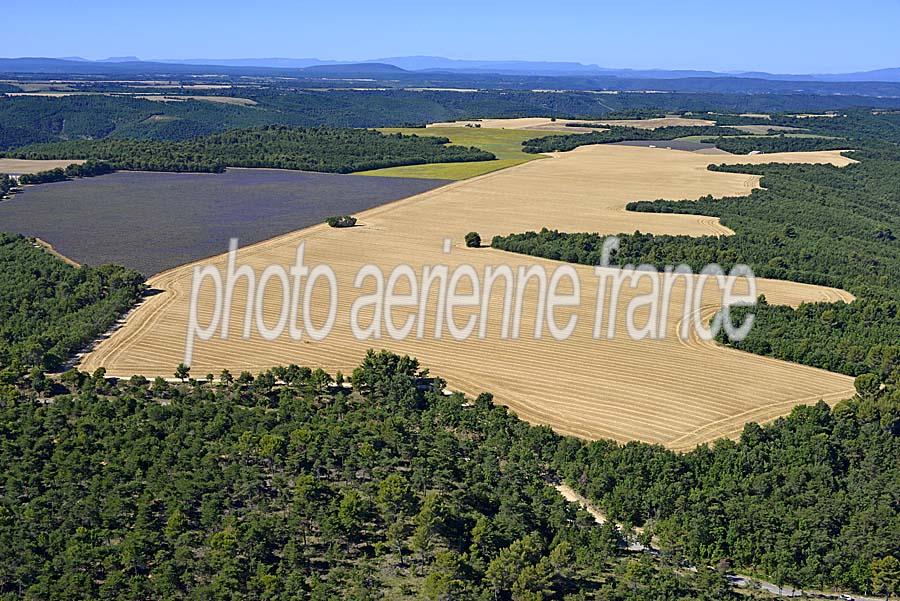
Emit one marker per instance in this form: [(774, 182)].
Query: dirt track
[(678, 393)]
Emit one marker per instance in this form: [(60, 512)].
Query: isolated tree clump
[(341, 221), (473, 240)]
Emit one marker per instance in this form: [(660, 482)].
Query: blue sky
[(796, 36)]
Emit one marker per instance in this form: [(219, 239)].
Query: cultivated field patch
[(673, 392), (656, 123)]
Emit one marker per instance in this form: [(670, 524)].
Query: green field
[(506, 144)]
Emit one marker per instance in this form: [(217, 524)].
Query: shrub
[(473, 240)]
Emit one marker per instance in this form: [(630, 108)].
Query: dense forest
[(49, 310), (809, 500), (44, 177), (566, 142), (311, 149), (289, 484), (637, 113)]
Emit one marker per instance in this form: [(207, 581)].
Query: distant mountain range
[(407, 69), (437, 63)]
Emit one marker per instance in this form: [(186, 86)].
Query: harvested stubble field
[(677, 393), (155, 221), (22, 166)]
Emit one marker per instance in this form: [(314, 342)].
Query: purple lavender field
[(152, 222)]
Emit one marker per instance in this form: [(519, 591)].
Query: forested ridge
[(28, 120), (311, 149)]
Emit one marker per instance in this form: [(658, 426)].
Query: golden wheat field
[(677, 393)]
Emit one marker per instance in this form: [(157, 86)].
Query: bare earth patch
[(677, 393)]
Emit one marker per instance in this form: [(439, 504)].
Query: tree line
[(310, 149), (90, 168), (776, 143)]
